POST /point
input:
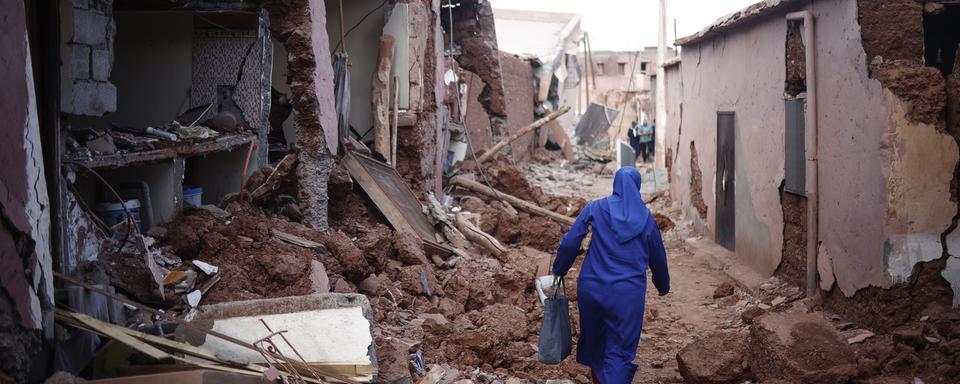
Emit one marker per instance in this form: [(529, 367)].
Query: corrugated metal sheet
[(794, 147)]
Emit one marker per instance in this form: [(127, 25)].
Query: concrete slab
[(330, 329)]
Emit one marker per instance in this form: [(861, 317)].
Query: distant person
[(634, 139), (645, 135), (612, 286)]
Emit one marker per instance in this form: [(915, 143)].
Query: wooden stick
[(294, 239), (396, 121), (287, 165), (523, 131), (478, 236), (119, 336), (380, 91), (517, 202)]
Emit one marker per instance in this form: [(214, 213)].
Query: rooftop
[(742, 17)]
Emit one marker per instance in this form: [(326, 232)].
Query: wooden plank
[(194, 376), (517, 202), (523, 131), (478, 236), (110, 331), (380, 91), (294, 239), (284, 168), (393, 198)]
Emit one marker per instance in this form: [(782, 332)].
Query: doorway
[(726, 181)]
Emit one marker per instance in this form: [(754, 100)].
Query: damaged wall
[(474, 33), (26, 300), (87, 34), (878, 219), (714, 79), (300, 26), (362, 49), (519, 95)]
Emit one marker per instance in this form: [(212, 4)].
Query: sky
[(623, 25)]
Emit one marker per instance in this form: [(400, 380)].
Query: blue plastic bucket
[(192, 196), (113, 214)]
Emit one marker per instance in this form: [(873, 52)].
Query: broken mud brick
[(802, 346), (717, 358)]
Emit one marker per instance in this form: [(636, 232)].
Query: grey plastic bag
[(556, 340)]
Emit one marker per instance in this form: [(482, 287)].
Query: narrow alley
[(480, 191)]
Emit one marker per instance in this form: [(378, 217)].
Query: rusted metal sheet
[(593, 125), (394, 198)]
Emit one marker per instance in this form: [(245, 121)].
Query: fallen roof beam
[(523, 131), (517, 202)]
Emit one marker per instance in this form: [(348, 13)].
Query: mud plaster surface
[(793, 263), (696, 184)]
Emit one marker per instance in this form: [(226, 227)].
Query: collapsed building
[(830, 160), (625, 81), (209, 158)]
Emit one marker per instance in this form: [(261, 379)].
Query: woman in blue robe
[(612, 286)]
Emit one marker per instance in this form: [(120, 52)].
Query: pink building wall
[(884, 178)]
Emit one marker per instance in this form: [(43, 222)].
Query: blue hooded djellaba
[(612, 286)]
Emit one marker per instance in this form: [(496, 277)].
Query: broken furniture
[(393, 197)]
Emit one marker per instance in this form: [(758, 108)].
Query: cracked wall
[(517, 74), (301, 26), (715, 79), (26, 281), (421, 147), (475, 36), (887, 162)]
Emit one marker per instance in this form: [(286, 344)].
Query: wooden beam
[(478, 236), (523, 131), (517, 202), (284, 168), (380, 91), (110, 331), (294, 239), (189, 325)]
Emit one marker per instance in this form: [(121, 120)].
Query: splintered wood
[(380, 97), (473, 233)]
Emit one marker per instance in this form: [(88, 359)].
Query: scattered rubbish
[(860, 336), (193, 298), (191, 133), (295, 240), (206, 268)]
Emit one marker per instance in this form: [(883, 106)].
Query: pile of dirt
[(252, 262)]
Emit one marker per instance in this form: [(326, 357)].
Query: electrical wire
[(130, 220), (463, 120), (362, 19)]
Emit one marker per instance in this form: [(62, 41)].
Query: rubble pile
[(780, 335)]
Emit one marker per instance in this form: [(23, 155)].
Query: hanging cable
[(362, 19)]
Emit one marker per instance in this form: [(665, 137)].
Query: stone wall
[(88, 31)]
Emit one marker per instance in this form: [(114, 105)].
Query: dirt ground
[(673, 321), (474, 315)]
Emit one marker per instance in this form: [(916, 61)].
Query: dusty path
[(673, 321)]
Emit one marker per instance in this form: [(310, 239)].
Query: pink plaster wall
[(323, 74), (884, 180), (715, 79)]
